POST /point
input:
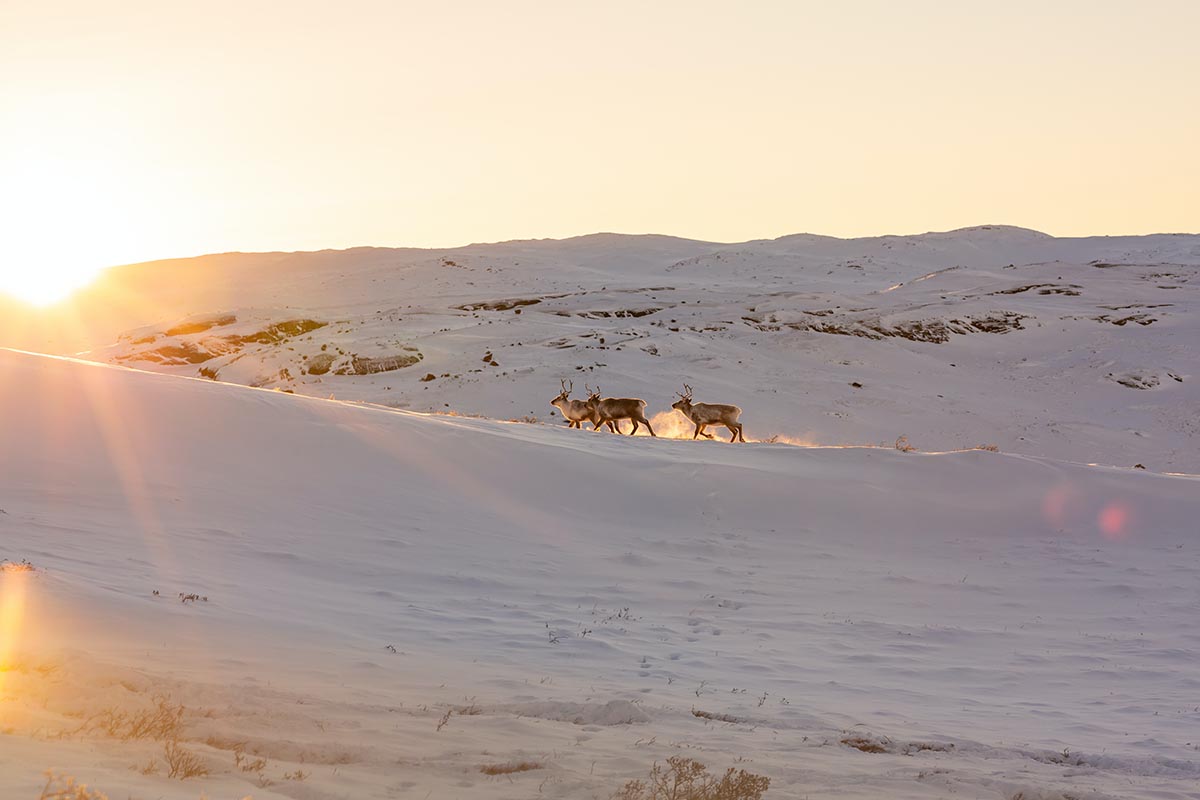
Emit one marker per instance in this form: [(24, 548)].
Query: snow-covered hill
[(387, 602), (1077, 349)]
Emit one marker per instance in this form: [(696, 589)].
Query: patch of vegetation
[(199, 326), (509, 768), (696, 712), (276, 333), (866, 745), (181, 763), (170, 355), (320, 363), (871, 744), (163, 721), (688, 779), (63, 787)]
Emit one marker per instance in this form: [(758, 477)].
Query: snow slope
[(997, 625), (1076, 349)]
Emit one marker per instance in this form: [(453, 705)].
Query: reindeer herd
[(611, 411)]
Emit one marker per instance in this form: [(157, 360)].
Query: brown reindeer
[(575, 412), (705, 414), (614, 409)]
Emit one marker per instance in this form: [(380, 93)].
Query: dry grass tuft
[(247, 764), (864, 744), (162, 722), (63, 787), (696, 712), (181, 763), (902, 445), (688, 779), (509, 768)]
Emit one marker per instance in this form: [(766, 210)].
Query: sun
[(58, 230), (66, 216), (44, 284)]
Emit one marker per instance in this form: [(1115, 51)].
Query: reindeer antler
[(562, 383), (687, 392)]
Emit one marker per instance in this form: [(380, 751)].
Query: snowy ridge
[(855, 622), (1073, 349)]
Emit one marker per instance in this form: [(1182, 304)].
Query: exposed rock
[(170, 355), (273, 334), (200, 325), (1135, 381), (319, 364), (1071, 290), (500, 305), (369, 366), (620, 313), (935, 331)]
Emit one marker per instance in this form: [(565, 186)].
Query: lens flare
[(1060, 505), (1114, 521)]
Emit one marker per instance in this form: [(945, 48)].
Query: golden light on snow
[(13, 586), (673, 425)]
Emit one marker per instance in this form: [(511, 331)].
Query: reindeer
[(614, 409), (705, 414), (574, 412)]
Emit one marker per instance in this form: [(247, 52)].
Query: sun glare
[(42, 284), (66, 217), (58, 228)]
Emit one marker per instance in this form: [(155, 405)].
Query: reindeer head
[(684, 403), (593, 394), (564, 394)]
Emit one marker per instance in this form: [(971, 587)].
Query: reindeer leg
[(635, 425), (741, 438), (733, 431), (697, 432), (646, 422)]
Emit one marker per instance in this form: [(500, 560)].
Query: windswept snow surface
[(993, 625)]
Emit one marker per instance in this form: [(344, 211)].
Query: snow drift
[(386, 600)]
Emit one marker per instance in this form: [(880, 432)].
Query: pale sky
[(134, 130)]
